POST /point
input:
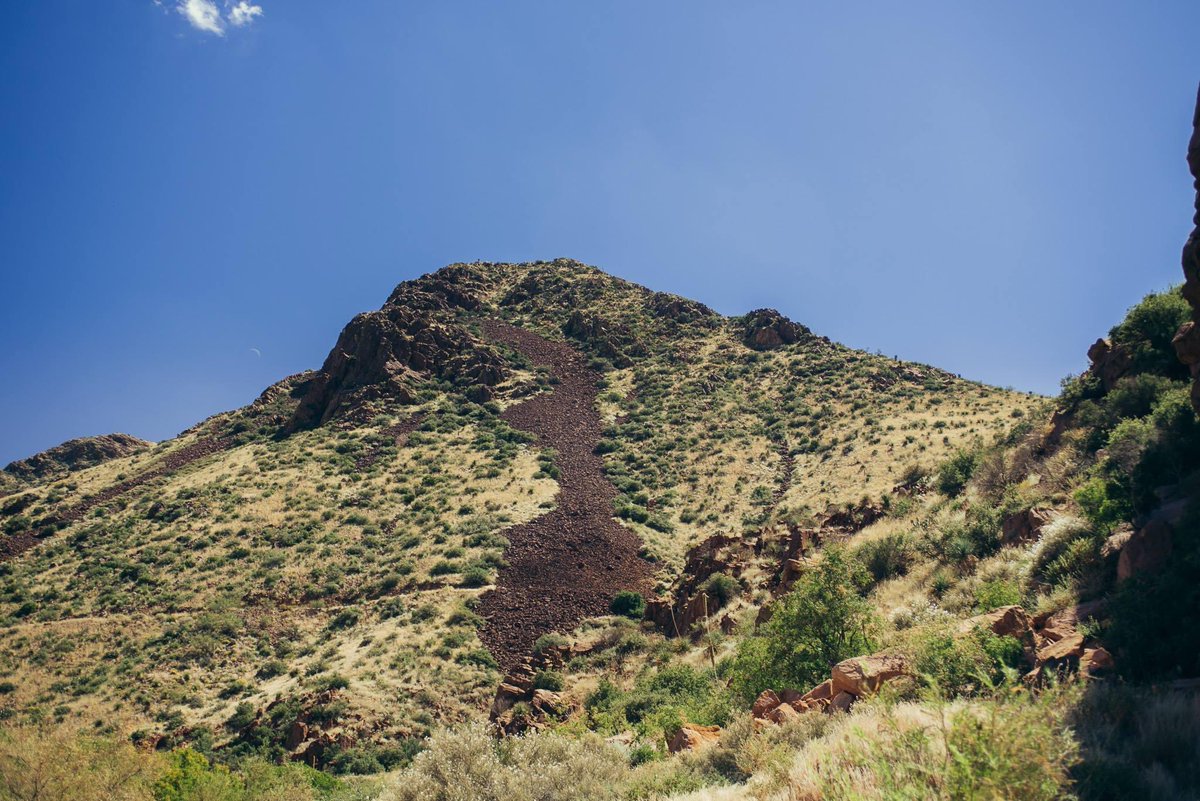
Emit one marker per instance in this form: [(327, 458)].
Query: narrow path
[(567, 564)]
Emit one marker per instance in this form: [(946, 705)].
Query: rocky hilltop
[(75, 454)]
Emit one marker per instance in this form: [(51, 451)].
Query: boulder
[(864, 675), (1069, 647), (784, 713), (297, 734), (767, 329), (841, 702), (506, 698), (1095, 661), (1148, 549), (693, 737), (766, 702), (1007, 621), (822, 692)]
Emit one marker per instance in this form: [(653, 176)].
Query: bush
[(721, 589), (953, 475), (1147, 331), (887, 557), (468, 764), (550, 680), (628, 604), (822, 621)]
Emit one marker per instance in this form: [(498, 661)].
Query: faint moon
[(256, 352)]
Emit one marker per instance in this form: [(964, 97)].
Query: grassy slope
[(271, 567)]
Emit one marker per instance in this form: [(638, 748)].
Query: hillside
[(353, 559)]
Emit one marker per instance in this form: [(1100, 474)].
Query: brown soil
[(567, 564)]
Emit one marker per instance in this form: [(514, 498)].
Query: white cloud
[(243, 14), (203, 15)]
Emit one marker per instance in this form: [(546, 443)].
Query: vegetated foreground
[(564, 566)]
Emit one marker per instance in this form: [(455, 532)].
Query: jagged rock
[(1147, 549), (1110, 363), (681, 310), (864, 675), (603, 337), (297, 734), (1187, 346), (841, 702), (1024, 527), (763, 705), (1063, 623), (784, 713), (767, 329), (1116, 542), (1007, 621), (1095, 661), (693, 737), (76, 454), (507, 696), (822, 692), (1069, 647), (382, 354)]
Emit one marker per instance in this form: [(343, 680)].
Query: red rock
[(784, 713), (1070, 646), (693, 737), (864, 675), (1148, 549), (841, 702), (766, 702), (822, 692), (1025, 526), (1007, 621), (1095, 660)]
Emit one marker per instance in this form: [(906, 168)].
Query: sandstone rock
[(549, 703), (1025, 526), (1116, 542), (784, 713), (1148, 549), (1007, 621), (624, 738), (1063, 623), (1095, 661), (506, 698), (864, 675), (1110, 363), (822, 692), (693, 737), (297, 734), (841, 702), (764, 704), (1069, 647), (790, 696)]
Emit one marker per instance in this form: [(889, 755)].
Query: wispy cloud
[(207, 16), (203, 16), (243, 14)]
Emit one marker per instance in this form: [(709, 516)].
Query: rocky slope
[(486, 460), (75, 454)]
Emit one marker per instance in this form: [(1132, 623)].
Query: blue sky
[(981, 186)]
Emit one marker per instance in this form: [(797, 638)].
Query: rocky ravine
[(565, 565)]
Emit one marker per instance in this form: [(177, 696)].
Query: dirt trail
[(565, 565)]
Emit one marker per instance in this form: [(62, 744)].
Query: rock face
[(1110, 363), (76, 454), (1187, 340), (692, 737), (382, 354), (864, 675), (767, 329)]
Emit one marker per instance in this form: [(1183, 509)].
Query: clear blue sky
[(982, 186)]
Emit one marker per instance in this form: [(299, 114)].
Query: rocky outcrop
[(865, 675), (1024, 527), (1109, 362), (1187, 340), (385, 354), (767, 329), (76, 454), (604, 338), (693, 737), (680, 310)]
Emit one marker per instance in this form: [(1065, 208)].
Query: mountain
[(477, 469)]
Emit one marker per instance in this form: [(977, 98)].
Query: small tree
[(822, 621)]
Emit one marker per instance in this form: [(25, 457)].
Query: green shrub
[(721, 589), (548, 680), (628, 604), (887, 557), (1147, 331), (823, 620), (953, 474)]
